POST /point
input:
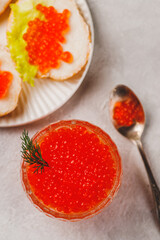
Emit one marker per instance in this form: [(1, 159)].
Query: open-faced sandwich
[(3, 5), (48, 38), (10, 83)]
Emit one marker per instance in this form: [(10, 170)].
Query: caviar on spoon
[(128, 118)]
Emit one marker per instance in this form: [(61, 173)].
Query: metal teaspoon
[(133, 133)]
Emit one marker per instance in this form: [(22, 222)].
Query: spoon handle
[(153, 184)]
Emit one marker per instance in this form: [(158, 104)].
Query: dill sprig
[(31, 153)]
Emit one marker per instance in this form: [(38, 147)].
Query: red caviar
[(5, 82), (84, 169), (128, 112), (44, 39)]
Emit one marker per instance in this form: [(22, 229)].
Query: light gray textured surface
[(127, 50)]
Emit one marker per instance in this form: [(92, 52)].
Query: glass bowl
[(74, 216)]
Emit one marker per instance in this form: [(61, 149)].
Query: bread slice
[(9, 102), (77, 40), (3, 5)]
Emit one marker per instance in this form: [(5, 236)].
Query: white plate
[(47, 95)]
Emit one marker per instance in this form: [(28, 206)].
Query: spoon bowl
[(128, 118), (134, 131)]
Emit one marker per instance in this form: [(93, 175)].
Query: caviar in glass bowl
[(83, 172)]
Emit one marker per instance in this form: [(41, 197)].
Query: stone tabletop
[(127, 51)]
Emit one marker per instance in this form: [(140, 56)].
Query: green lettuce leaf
[(22, 14)]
